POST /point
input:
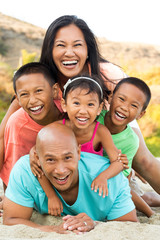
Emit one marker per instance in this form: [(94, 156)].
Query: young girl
[(83, 101)]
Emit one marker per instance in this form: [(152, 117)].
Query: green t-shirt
[(126, 140)]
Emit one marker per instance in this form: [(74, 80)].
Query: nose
[(82, 110), (69, 52), (32, 99), (124, 106), (60, 168)]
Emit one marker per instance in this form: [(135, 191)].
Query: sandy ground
[(147, 228)]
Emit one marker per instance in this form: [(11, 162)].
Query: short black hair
[(83, 82), (140, 84), (34, 67)]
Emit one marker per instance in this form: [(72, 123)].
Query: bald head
[(53, 134), (58, 153)]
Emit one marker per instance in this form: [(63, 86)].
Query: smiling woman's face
[(70, 51)]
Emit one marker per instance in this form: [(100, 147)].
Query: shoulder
[(126, 138), (102, 129), (130, 133), (92, 164), (22, 186), (112, 71), (17, 116), (21, 166), (21, 174)]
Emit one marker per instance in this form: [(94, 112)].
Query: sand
[(147, 228)]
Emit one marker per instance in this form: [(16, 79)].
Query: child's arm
[(104, 136), (13, 107), (100, 182), (118, 161), (55, 206)]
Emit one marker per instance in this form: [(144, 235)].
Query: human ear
[(141, 115), (110, 97), (63, 105), (36, 158), (100, 108), (55, 91), (17, 98)]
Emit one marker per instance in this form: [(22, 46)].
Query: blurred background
[(127, 34)]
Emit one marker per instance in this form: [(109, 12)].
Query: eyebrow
[(54, 156), (59, 40), (93, 100), (121, 94)]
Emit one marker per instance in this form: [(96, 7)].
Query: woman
[(69, 49)]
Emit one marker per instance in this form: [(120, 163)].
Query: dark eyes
[(68, 157), (60, 45), (90, 104), (122, 99), (78, 44), (39, 90), (133, 105), (50, 160), (63, 45), (23, 94), (76, 103)]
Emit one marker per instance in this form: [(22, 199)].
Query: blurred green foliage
[(27, 57), (3, 48), (149, 123)]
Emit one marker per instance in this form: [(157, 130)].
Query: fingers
[(124, 160), (78, 224), (55, 207), (103, 189), (55, 211)]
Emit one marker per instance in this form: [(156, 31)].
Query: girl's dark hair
[(140, 84), (94, 56), (83, 82), (34, 67)]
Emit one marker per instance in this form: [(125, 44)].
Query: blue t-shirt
[(24, 189)]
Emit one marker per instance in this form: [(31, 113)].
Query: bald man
[(71, 175)]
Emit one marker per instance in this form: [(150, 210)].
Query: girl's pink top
[(88, 146)]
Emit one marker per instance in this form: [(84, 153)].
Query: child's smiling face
[(35, 95), (127, 104), (82, 107)]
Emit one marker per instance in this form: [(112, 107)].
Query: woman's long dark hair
[(94, 56)]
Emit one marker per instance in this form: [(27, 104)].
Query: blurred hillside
[(16, 35), (140, 60)]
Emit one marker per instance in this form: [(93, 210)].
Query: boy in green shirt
[(129, 101)]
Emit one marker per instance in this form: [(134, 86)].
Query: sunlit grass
[(153, 144)]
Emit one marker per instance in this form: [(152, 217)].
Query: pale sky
[(116, 20)]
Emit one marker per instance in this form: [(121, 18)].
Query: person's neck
[(114, 129)]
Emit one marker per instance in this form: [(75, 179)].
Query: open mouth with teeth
[(36, 110), (82, 120), (62, 181), (120, 116), (69, 63)]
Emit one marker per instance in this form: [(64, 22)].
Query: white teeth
[(120, 115), (69, 62), (61, 179), (82, 119), (35, 108)]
